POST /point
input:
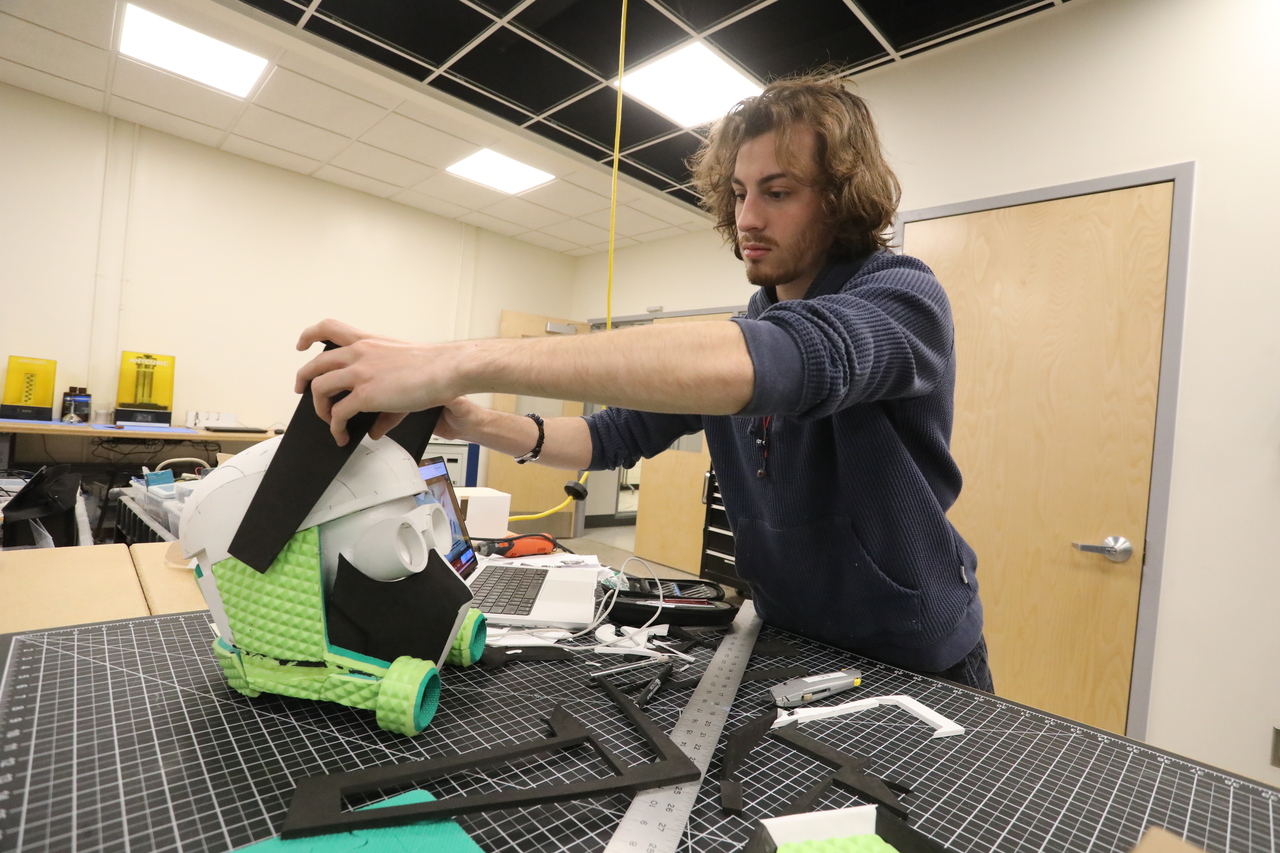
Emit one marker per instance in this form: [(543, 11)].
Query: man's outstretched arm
[(701, 368)]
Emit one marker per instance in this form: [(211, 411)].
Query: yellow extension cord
[(613, 218)]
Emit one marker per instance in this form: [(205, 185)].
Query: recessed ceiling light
[(691, 86), (160, 42), (500, 172)]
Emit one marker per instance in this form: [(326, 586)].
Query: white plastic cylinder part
[(397, 547)]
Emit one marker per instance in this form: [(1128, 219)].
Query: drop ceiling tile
[(601, 183), (315, 103), (163, 91), (630, 221), (282, 9), (583, 252), (593, 117), (546, 241), (703, 13), (571, 141), (693, 229), (47, 84), (668, 156), (449, 120), (87, 22), (645, 175), (322, 73), (163, 121), (433, 31), (431, 205), (44, 50), (577, 231), (668, 211), (567, 198), (492, 223), (582, 29), (470, 95), (797, 36), (904, 26), (661, 234), (417, 141), (520, 71), (619, 242), (524, 213), (685, 195), (271, 155), (383, 165), (281, 131), (356, 182), (460, 191), (376, 51)]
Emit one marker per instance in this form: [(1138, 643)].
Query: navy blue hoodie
[(844, 538)]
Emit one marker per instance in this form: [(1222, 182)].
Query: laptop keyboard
[(510, 590)]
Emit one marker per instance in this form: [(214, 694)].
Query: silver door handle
[(1117, 549), (706, 487)]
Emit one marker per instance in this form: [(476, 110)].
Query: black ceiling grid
[(545, 64)]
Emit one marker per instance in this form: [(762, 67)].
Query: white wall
[(680, 273), (1091, 89), (221, 261)]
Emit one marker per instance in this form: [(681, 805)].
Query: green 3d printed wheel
[(468, 646), (409, 695)]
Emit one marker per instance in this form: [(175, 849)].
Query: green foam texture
[(278, 613), (429, 836), (850, 844), (468, 646)]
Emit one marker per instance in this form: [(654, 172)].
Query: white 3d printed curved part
[(943, 727)]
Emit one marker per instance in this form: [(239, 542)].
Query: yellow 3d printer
[(28, 389), (145, 395)]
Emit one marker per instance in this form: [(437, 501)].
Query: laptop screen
[(440, 490)]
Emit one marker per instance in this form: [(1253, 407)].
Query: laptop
[(514, 596)]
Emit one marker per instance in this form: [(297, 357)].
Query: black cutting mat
[(125, 736)]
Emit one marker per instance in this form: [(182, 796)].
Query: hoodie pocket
[(817, 580)]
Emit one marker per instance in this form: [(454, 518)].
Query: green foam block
[(441, 835), (851, 844)]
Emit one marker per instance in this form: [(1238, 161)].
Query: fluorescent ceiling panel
[(160, 42), (499, 172), (691, 86)]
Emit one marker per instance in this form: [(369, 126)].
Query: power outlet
[(1275, 746)]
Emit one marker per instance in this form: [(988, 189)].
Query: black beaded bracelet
[(533, 455)]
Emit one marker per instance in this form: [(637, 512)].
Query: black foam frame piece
[(737, 746), (414, 432), (317, 805), (412, 616), (848, 773)]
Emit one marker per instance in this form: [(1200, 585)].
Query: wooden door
[(534, 488), (670, 515), (1059, 312)]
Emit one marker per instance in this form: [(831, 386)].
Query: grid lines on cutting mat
[(125, 736)]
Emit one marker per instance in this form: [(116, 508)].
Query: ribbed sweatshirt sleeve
[(885, 333), (620, 437)]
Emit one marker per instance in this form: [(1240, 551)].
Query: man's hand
[(461, 420), (381, 374)]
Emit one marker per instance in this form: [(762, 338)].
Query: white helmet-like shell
[(377, 472)]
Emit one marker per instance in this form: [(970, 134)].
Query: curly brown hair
[(859, 190)]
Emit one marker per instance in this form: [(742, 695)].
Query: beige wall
[(221, 261), (679, 273)]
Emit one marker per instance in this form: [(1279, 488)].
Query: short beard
[(804, 252)]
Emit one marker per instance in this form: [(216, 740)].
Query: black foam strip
[(412, 616), (304, 465), (414, 432)]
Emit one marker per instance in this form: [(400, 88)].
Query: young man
[(827, 410)]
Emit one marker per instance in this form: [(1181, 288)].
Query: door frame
[(1182, 175)]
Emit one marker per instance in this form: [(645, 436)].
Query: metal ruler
[(656, 819)]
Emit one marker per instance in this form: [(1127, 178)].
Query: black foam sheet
[(412, 616)]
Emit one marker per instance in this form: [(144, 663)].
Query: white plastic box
[(485, 511)]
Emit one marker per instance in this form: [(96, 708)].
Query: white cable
[(657, 611)]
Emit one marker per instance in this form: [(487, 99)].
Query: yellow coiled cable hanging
[(613, 220)]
